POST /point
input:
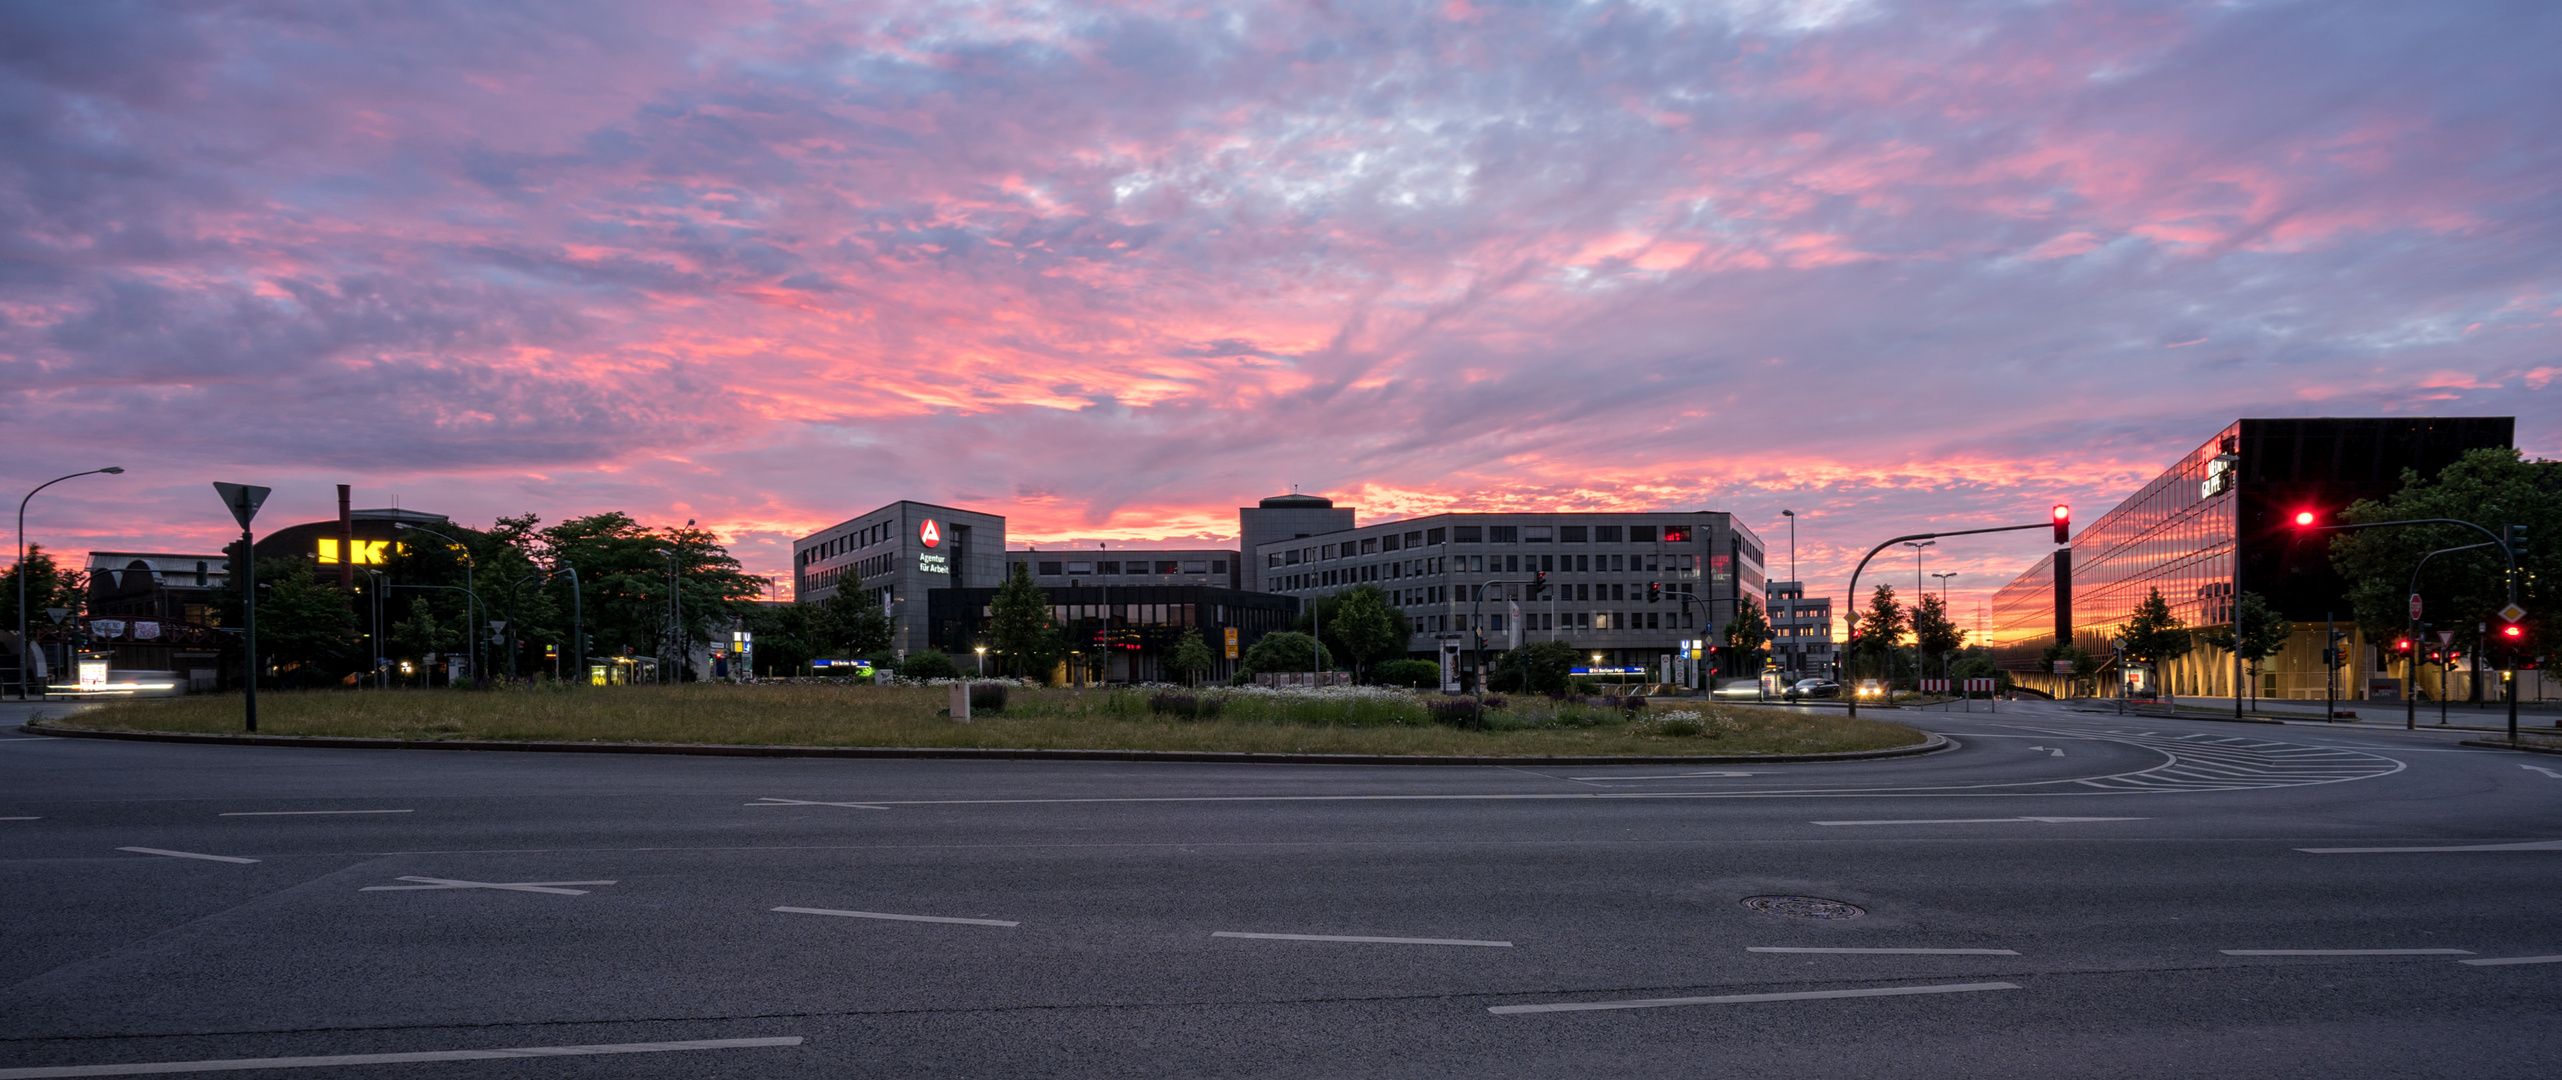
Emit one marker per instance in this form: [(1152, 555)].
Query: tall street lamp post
[(23, 645)]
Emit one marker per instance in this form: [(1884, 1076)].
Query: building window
[(1272, 559), (1435, 536), (1466, 534), (1415, 539), (1605, 534), (1110, 568), (1641, 534), (1535, 534), (1050, 569), (1291, 557), (1503, 534), (1165, 566), (1676, 534), (1218, 566), (1196, 568), (1571, 534), (1388, 542), (1080, 568), (1583, 564)]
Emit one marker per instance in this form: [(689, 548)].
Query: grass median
[(1330, 721)]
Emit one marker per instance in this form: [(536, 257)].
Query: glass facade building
[(2219, 522)]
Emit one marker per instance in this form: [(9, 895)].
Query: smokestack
[(346, 541)]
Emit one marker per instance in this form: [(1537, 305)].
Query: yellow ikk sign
[(362, 552)]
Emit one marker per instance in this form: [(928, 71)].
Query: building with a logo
[(2218, 523), (895, 555), (1458, 576)]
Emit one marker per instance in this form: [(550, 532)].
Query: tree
[(1191, 655), (423, 633), (784, 639), (1360, 625), (929, 664), (2491, 487), (2257, 633), (1409, 673), (305, 625), (623, 579), (48, 586), (1934, 633), (848, 623), (1879, 630), (1541, 667), (2083, 665), (1284, 650), (1020, 629), (1747, 638), (2155, 636)]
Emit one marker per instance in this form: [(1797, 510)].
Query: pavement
[(2062, 894)]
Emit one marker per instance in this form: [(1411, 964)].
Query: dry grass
[(910, 716)]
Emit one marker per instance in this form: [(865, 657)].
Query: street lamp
[(471, 610), (22, 568), (982, 650)]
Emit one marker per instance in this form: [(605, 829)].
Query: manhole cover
[(1803, 907)]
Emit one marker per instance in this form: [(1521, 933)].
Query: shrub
[(1463, 713), (987, 697), (1407, 673), (929, 664), (1185, 706)]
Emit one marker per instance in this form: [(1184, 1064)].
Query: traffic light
[(2337, 655), (2303, 519), (1538, 584), (2512, 634), (2515, 537), (2063, 523), (1654, 592), (2402, 645)]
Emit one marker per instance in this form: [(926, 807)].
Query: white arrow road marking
[(185, 855), (772, 801), (235, 1064), (1980, 820), (2542, 769), (894, 918), (2055, 751), (553, 887), (2532, 845), (1736, 999)]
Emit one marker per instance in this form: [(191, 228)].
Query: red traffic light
[(2303, 518), (2403, 645), (2063, 523), (2513, 631)]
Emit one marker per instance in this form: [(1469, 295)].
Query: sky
[(1115, 270)]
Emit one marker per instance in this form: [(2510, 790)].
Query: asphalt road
[(2103, 871)]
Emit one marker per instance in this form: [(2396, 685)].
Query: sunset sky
[(1114, 270)]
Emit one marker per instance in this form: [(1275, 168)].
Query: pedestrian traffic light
[(1654, 592), (2063, 523)]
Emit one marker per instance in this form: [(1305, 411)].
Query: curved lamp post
[(23, 644)]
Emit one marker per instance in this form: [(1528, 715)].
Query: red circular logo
[(931, 534)]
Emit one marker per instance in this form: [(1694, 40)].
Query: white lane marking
[(2542, 769), (21, 819), (553, 887), (2346, 952), (185, 855), (1980, 820), (1888, 952), (1737, 999), (1372, 940), (2051, 751), (2532, 845), (233, 1064), (772, 801), (2500, 960), (308, 813), (894, 918), (1667, 776)]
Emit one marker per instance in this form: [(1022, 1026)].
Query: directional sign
[(2415, 605), (2513, 613), (243, 500)]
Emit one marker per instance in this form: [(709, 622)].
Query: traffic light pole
[(1852, 600), (2410, 693), (1477, 632)]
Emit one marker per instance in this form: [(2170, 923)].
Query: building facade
[(1122, 633), (1459, 575), (158, 613), (896, 555), (2218, 523), (1064, 567), (1285, 517), (1801, 630)]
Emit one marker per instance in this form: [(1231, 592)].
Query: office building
[(1122, 632), (1284, 517), (895, 555), (1062, 567), (1451, 573), (1801, 630), (2217, 523)]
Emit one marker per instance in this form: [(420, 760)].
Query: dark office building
[(1121, 633), (2218, 523)]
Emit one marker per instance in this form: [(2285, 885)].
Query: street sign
[(2063, 667), (1979, 686), (1231, 635), (2446, 637), (243, 499), (2415, 605), (2513, 613)]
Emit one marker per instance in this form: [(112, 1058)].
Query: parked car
[(1808, 689)]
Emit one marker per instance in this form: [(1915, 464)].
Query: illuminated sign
[(931, 535), (2219, 478), (364, 552), (934, 564), (1231, 635)]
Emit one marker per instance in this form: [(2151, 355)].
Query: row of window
[(1108, 568), (868, 566), (1678, 566), (1484, 534), (1536, 621), (857, 540)]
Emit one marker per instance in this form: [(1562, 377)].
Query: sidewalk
[(2460, 716)]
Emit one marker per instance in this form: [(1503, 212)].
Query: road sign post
[(244, 500)]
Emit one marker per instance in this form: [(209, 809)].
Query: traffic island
[(1352, 724)]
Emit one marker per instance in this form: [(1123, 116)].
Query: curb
[(1933, 744), (2504, 744)]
